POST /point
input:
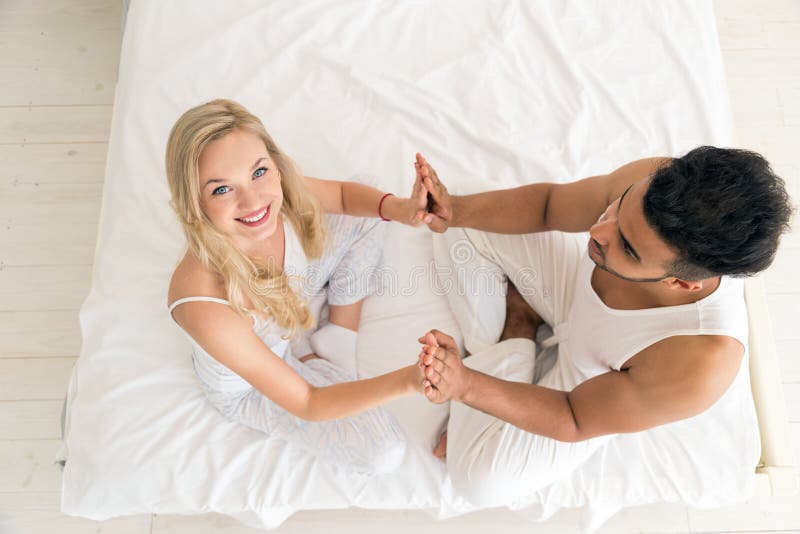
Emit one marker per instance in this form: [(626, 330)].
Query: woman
[(252, 224)]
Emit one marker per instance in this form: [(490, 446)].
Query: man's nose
[(601, 231)]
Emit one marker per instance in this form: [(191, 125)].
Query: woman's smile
[(257, 218)]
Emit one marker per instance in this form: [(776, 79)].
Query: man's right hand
[(440, 213)]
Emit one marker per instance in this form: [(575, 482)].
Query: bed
[(495, 94)]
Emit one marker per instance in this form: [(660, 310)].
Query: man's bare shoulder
[(705, 365)]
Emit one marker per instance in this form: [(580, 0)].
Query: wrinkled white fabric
[(494, 94)]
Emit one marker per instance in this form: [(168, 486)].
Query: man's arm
[(674, 379), (540, 207)]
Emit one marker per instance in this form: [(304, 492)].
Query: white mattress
[(495, 94)]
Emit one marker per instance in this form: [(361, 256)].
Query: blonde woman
[(264, 241)]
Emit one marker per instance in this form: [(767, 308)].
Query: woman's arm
[(233, 343), (348, 398), (352, 198)]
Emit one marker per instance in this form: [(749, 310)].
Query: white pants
[(490, 461)]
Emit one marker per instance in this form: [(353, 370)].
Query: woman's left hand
[(420, 199), (412, 210)]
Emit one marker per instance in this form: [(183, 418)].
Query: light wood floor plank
[(39, 333), (67, 124), (783, 315), (773, 513), (658, 518), (50, 205), (56, 163), (781, 277), (86, 15), (28, 466), (789, 100), (40, 513), (44, 287), (30, 420), (74, 44), (791, 394), (34, 378), (44, 244), (789, 358), (742, 33), (774, 10), (794, 428)]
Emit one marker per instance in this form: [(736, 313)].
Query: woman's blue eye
[(258, 174)]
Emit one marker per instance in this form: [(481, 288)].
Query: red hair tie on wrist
[(380, 204)]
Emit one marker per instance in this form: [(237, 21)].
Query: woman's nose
[(250, 201)]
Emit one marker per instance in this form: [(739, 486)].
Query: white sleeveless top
[(599, 339), (217, 377), (688, 460)]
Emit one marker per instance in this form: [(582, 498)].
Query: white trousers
[(491, 462)]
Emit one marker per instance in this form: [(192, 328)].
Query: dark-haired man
[(647, 309)]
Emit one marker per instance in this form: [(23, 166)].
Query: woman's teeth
[(256, 218)]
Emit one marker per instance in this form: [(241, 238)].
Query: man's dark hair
[(722, 210)]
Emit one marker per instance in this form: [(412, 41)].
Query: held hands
[(445, 376)]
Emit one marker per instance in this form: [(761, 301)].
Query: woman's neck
[(272, 248)]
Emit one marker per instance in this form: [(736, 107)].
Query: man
[(647, 310)]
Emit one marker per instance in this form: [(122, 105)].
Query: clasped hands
[(444, 376)]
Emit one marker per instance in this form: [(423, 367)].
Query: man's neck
[(623, 294)]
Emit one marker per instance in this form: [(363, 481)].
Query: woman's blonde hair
[(243, 277)]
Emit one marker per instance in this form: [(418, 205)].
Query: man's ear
[(684, 285)]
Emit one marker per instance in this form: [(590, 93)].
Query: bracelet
[(381, 204)]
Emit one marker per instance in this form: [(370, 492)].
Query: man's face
[(623, 243)]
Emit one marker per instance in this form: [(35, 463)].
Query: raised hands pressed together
[(438, 210)]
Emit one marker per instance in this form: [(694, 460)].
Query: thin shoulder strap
[(193, 299)]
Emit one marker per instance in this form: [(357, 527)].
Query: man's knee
[(507, 466), (485, 485), (488, 477)]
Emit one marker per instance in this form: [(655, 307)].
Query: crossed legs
[(522, 321)]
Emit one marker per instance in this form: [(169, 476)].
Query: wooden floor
[(58, 69)]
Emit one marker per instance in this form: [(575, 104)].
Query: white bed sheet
[(495, 94)]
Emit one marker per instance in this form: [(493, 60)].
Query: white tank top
[(599, 339), (216, 377), (719, 447)]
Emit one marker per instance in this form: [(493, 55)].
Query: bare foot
[(440, 451), (521, 319)]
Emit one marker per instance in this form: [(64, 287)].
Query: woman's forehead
[(231, 152)]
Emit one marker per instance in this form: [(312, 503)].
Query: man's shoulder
[(705, 364)]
